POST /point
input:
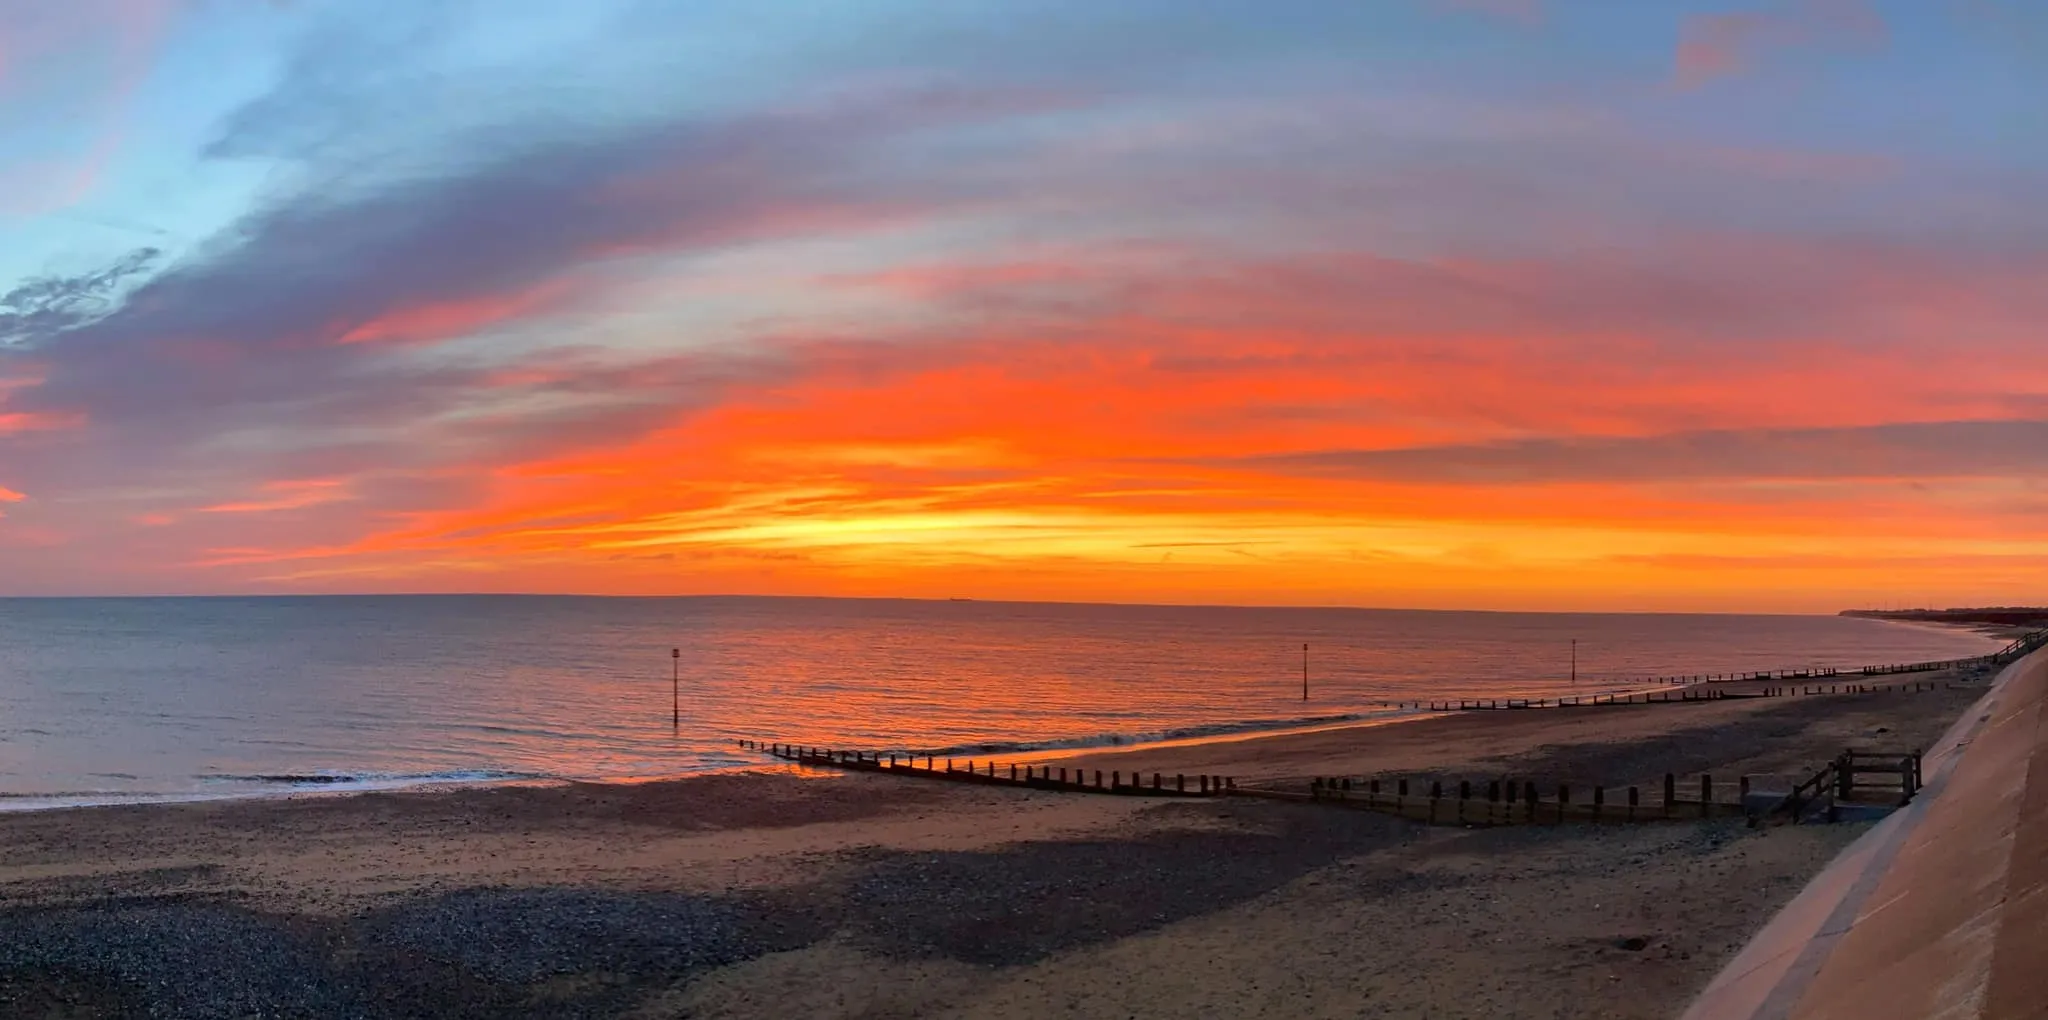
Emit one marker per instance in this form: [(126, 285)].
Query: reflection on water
[(222, 696)]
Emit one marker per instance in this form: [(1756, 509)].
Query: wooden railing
[(2021, 647), (1841, 781)]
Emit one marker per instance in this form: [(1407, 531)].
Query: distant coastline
[(1986, 616)]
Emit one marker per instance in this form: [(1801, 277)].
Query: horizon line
[(163, 596)]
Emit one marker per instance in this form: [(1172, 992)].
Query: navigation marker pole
[(675, 687)]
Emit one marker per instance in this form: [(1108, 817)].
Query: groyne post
[(1632, 801), (1599, 801)]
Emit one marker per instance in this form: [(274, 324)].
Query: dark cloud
[(243, 337), (1919, 450), (49, 305)]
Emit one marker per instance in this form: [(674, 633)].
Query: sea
[(149, 699)]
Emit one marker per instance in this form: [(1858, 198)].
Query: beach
[(782, 891)]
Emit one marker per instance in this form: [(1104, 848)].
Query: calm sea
[(115, 699)]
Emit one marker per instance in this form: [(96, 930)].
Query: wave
[(1198, 732), (326, 779)]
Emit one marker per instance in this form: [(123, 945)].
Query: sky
[(1500, 304)]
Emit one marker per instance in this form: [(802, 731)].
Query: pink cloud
[(443, 320), (1716, 45), (286, 495), (25, 421)]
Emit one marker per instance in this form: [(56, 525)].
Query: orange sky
[(1511, 308)]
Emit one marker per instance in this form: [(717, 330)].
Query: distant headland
[(2001, 616)]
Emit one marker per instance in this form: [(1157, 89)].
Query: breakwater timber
[(1678, 697), (991, 772), (1845, 780)]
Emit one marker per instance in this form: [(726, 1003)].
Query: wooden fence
[(990, 772)]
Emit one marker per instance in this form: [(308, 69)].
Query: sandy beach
[(780, 893)]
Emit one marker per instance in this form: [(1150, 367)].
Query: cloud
[(1914, 450), (45, 306), (1010, 314), (275, 321), (1717, 45)]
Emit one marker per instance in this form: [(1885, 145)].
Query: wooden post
[(1205, 784), (1670, 792), (1529, 802), (1436, 793), (1599, 801), (1464, 794), (1633, 799), (1063, 777), (1155, 781), (1564, 797)]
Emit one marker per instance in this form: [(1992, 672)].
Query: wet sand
[(879, 896)]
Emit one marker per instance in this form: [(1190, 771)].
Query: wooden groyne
[(992, 773), (1683, 696), (1505, 801), (2010, 653), (1494, 801)]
